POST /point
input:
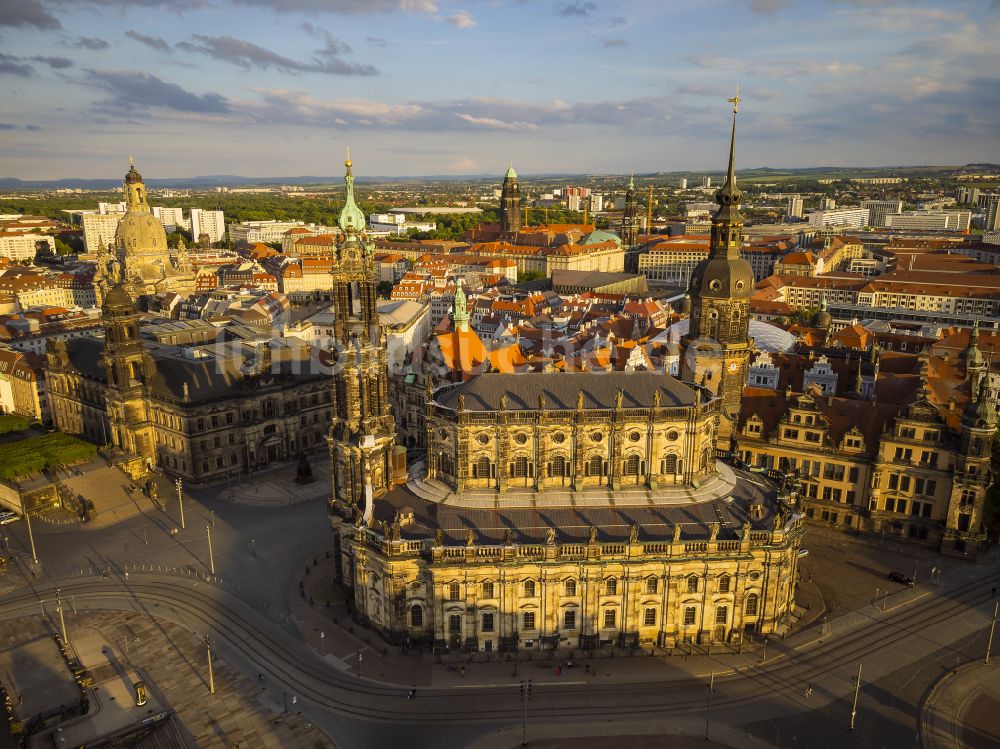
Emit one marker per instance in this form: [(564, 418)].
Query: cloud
[(461, 20), (135, 91), (571, 8), (7, 126), (57, 63), (11, 65), (495, 124), (88, 42), (27, 14), (153, 42), (777, 67), (614, 43), (765, 7), (248, 55), (377, 41), (617, 21)]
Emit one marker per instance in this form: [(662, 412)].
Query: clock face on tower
[(733, 366)]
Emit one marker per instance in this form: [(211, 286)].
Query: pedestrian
[(569, 663), (462, 671), (558, 670)]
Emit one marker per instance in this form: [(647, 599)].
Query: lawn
[(28, 456), (13, 423)]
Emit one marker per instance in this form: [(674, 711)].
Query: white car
[(8, 517)]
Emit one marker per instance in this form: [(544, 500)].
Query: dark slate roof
[(572, 524), (482, 393)]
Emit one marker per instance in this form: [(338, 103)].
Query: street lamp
[(31, 536), (180, 499), (993, 626), (211, 675), (211, 557), (763, 656), (857, 688), (708, 714), (62, 620), (525, 699)]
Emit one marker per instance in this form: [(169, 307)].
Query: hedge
[(29, 456)]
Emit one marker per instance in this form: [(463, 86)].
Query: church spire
[(727, 221), (352, 220)]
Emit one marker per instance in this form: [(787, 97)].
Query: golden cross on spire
[(347, 162), (131, 161), (735, 101)]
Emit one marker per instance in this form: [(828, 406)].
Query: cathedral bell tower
[(510, 203), (362, 431), (717, 345), (630, 216), (127, 367)]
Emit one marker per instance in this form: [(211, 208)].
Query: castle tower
[(717, 345), (972, 474), (127, 366), (630, 216), (510, 203), (362, 431)]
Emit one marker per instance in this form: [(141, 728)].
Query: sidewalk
[(962, 711), (270, 487)]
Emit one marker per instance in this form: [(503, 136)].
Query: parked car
[(8, 517), (803, 553), (899, 577)]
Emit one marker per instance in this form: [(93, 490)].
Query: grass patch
[(29, 456), (13, 423)]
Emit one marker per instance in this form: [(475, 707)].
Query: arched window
[(594, 466), (529, 588), (481, 468), (454, 592), (632, 465), (559, 467), (692, 584), (569, 619), (651, 584), (670, 464), (724, 584), (445, 464), (488, 589), (569, 588), (416, 616), (610, 586), (750, 609), (521, 468)]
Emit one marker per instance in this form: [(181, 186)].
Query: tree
[(62, 248)]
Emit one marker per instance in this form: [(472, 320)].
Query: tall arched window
[(750, 609), (559, 466), (416, 616), (670, 464), (481, 468), (521, 468), (632, 465), (594, 466), (454, 592), (724, 584), (692, 584)]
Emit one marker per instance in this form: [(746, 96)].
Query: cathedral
[(140, 259), (554, 510)]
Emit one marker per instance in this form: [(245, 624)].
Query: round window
[(597, 436), (672, 435), (520, 439), (740, 285), (444, 434), (483, 439), (715, 284), (559, 437), (635, 436)]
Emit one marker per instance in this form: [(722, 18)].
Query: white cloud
[(493, 122), (461, 20)]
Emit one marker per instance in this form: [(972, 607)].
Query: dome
[(722, 278), (117, 302), (766, 337), (822, 319), (133, 177), (141, 233)]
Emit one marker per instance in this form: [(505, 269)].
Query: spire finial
[(347, 161), (352, 220), (131, 161), (735, 101)]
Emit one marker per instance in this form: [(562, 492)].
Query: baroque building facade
[(558, 510)]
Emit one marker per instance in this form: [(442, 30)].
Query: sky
[(420, 87)]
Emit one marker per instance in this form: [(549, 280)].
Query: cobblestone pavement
[(173, 662)]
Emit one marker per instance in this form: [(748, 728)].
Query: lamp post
[(525, 698), (211, 674), (708, 713), (763, 656), (993, 626), (180, 499), (31, 536), (857, 688), (62, 619), (211, 557)]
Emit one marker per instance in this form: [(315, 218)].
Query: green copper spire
[(351, 220), (460, 312), (511, 174)]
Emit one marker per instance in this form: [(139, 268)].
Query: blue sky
[(279, 87)]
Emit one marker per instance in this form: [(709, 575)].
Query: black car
[(899, 577)]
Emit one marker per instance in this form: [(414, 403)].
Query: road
[(360, 712)]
